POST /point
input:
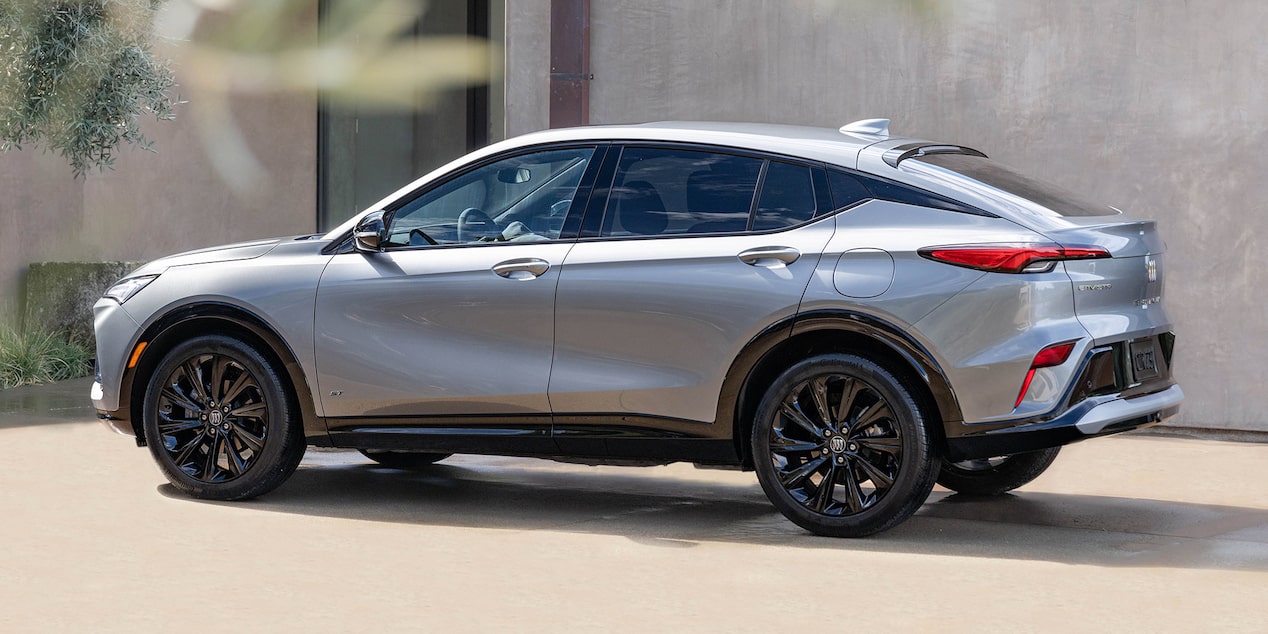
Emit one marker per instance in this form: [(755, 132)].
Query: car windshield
[(1057, 200)]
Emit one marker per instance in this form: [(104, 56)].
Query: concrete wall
[(1159, 108), (156, 204), (527, 65)]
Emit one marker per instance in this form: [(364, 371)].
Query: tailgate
[(1119, 297)]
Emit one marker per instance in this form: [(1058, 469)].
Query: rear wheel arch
[(217, 318), (810, 334)]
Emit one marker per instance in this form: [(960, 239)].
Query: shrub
[(34, 356)]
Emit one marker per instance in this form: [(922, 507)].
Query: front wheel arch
[(193, 320)]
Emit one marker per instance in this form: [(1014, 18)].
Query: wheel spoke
[(881, 479), (824, 496), (787, 445), (791, 479), (853, 495), (238, 385), (253, 442), (193, 371), (793, 411), (874, 413), (236, 464), (186, 453), (819, 393), (218, 364), (171, 426), (849, 393), (179, 399), (887, 444), (253, 410), (213, 456)]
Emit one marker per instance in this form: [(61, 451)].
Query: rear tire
[(219, 420), (840, 447), (995, 476), (404, 460)]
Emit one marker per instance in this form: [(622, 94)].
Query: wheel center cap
[(836, 444), (215, 417)]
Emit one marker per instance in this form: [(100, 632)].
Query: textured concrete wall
[(1159, 108), (527, 66)]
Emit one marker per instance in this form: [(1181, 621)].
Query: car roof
[(823, 144)]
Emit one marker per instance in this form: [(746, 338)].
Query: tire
[(994, 476), (404, 460), (220, 421), (876, 452)]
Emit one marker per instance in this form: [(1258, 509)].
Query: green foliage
[(31, 357), (76, 76)]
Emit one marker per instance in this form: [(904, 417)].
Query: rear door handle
[(521, 268), (769, 257)]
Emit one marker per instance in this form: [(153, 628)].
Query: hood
[(224, 253)]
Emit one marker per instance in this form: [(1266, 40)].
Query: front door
[(452, 326)]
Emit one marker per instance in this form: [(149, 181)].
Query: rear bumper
[(1096, 416)]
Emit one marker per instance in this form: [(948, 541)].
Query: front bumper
[(117, 333)]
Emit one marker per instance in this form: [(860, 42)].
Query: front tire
[(841, 448), (995, 476), (219, 420)]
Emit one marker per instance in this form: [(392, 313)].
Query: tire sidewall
[(916, 473), (278, 441), (1014, 471)]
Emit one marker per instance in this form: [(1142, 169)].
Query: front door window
[(519, 199)]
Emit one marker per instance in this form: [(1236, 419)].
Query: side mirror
[(370, 233), (514, 176)]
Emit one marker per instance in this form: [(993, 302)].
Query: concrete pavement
[(1128, 533)]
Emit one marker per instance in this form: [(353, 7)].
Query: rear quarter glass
[(988, 173)]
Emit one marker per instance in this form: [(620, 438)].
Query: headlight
[(125, 289)]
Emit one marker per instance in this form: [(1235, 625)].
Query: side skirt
[(592, 443)]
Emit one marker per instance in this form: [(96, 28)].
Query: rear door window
[(669, 191), (787, 198)]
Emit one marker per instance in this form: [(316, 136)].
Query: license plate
[(1144, 360)]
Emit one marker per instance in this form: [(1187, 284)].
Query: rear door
[(696, 252)]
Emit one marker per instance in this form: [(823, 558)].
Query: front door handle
[(769, 257), (521, 268)]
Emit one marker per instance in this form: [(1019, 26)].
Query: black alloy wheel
[(840, 447), (218, 420)]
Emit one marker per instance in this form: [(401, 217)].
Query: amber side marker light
[(136, 354), (1053, 355)]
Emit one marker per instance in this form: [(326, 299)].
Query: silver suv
[(851, 315)]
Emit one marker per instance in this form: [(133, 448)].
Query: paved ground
[(1130, 533)]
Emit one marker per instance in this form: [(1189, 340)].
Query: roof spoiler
[(915, 150)]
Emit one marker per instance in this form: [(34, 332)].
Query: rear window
[(1056, 199)]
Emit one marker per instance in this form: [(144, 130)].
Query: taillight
[(1055, 354), (1010, 258)]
